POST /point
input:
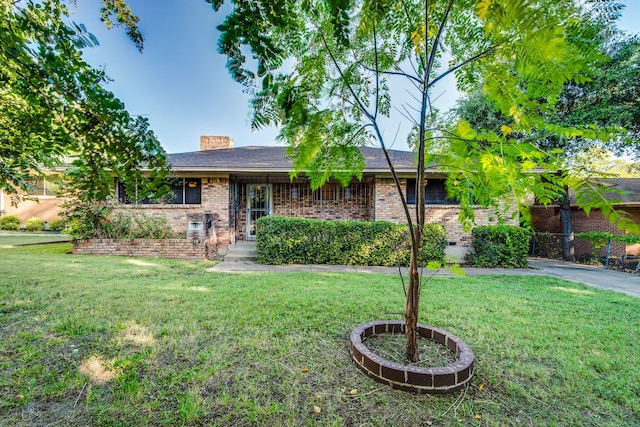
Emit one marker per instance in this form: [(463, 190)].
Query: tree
[(54, 107), (610, 99), (324, 71)]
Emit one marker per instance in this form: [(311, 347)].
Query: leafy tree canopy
[(325, 71), (611, 97), (54, 107)]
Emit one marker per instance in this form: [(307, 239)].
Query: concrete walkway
[(586, 274)]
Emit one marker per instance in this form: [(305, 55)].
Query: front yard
[(10, 238), (94, 340)]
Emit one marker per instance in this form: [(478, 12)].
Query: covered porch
[(254, 196)]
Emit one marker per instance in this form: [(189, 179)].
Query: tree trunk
[(568, 251), (411, 311)]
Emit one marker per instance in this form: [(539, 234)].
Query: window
[(185, 191), (50, 185), (328, 192), (435, 193)]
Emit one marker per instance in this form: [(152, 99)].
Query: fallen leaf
[(429, 423), (481, 387), (317, 409), (305, 370), (477, 416), (353, 392)]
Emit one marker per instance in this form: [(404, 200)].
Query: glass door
[(258, 205)]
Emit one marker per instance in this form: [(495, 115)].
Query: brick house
[(546, 219), (43, 201), (233, 187)]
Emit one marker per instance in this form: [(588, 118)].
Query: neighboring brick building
[(239, 185), (43, 201), (546, 219)]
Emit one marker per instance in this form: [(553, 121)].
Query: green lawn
[(9, 238), (89, 340)]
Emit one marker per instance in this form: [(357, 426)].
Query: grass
[(392, 347), (10, 238), (114, 341)]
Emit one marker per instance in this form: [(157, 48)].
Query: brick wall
[(297, 201), (215, 142), (163, 248), (547, 219), (388, 207), (214, 199)]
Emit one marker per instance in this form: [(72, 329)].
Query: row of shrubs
[(12, 223), (123, 225), (119, 226), (305, 241)]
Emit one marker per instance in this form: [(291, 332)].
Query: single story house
[(43, 201), (546, 219), (235, 186)]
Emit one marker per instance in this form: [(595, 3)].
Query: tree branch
[(377, 72), (462, 64), (356, 98), (396, 73), (436, 41)]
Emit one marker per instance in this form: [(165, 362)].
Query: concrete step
[(245, 251)]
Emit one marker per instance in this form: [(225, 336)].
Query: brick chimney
[(215, 142)]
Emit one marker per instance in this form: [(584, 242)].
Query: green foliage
[(34, 224), (305, 241), (57, 224), (324, 72), (590, 115), (123, 17), (610, 97), (53, 105), (9, 222), (101, 223), (500, 246), (136, 225), (337, 85), (599, 239)]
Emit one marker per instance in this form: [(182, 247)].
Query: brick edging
[(415, 379)]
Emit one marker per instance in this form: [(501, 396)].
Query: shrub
[(34, 224), (57, 224), (134, 225), (500, 246), (9, 222), (306, 241), (101, 223)]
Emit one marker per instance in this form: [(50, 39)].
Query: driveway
[(586, 274)]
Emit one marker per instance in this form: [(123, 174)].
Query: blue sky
[(180, 81)]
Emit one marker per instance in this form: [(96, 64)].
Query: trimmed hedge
[(34, 224), (500, 246), (306, 241), (9, 222), (57, 224)]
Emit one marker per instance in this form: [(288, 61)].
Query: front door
[(258, 205)]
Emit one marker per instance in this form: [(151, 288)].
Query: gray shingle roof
[(274, 159), (629, 186)]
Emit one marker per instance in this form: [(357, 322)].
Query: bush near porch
[(306, 241), (500, 246)]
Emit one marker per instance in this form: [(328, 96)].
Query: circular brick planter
[(416, 379)]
